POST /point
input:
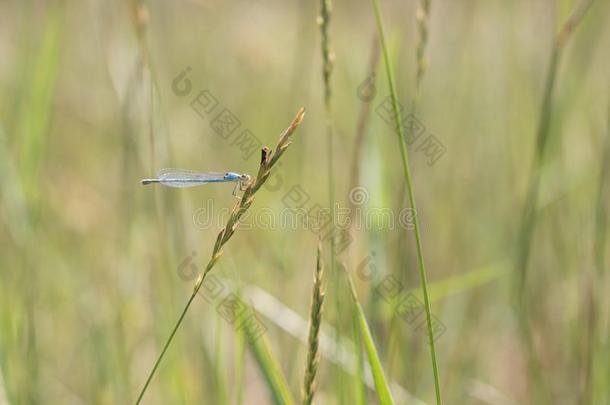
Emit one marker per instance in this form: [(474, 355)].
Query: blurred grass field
[(92, 264)]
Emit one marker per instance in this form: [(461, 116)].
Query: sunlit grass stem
[(411, 194)]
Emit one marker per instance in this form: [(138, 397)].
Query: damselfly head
[(244, 181)]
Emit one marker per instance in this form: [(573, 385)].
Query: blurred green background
[(90, 260)]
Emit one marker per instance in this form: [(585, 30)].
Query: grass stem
[(529, 213), (411, 194)]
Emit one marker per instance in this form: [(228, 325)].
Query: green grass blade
[(269, 366), (359, 386), (466, 281), (383, 389), (529, 214), (35, 112), (601, 212), (411, 194), (597, 356), (240, 365), (32, 130)]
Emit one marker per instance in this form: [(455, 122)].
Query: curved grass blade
[(359, 385), (269, 365), (381, 385)]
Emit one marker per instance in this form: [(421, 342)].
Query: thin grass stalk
[(422, 19), (411, 195), (529, 210), (315, 320), (146, 69), (601, 214), (268, 160), (529, 213), (140, 17), (129, 161), (542, 137), (527, 228), (144, 82), (596, 286), (327, 69)]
